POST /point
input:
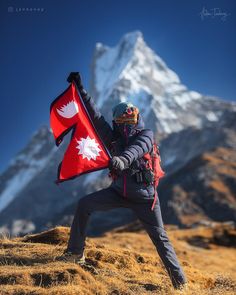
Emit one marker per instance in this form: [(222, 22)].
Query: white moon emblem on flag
[(88, 148), (68, 110)]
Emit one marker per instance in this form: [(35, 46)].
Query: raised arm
[(141, 145), (103, 127)]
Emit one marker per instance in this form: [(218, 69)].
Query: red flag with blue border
[(86, 151)]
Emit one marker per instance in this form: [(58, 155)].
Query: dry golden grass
[(118, 263)]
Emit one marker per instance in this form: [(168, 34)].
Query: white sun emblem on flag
[(88, 148)]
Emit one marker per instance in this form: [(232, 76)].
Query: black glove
[(118, 163), (75, 76)]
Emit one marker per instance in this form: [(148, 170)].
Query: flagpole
[(81, 99)]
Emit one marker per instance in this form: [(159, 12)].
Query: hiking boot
[(71, 257)]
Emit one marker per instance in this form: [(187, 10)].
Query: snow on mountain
[(130, 60), (131, 71), (25, 166)]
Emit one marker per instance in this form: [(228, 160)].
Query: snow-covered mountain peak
[(131, 67), (132, 38), (110, 62), (132, 71), (43, 131), (145, 68), (129, 40), (40, 141), (26, 165)]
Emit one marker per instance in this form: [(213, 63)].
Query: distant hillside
[(203, 190), (118, 263)]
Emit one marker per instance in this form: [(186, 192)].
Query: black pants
[(109, 198)]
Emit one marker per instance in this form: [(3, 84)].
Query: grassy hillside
[(123, 261), (204, 189)]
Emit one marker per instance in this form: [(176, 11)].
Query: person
[(127, 142)]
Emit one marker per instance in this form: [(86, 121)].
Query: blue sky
[(39, 48)]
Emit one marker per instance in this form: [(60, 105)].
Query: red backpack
[(153, 162)]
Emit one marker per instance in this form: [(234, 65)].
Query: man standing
[(127, 142)]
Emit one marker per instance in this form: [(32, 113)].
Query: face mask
[(125, 129)]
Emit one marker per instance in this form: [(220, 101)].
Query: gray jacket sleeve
[(141, 145), (102, 126)]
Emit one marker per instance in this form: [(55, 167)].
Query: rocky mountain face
[(29, 198), (187, 125), (131, 71), (201, 191)]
